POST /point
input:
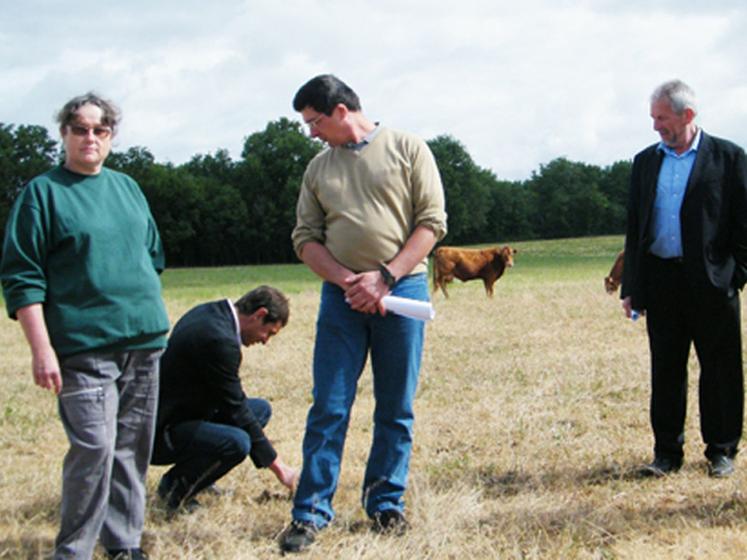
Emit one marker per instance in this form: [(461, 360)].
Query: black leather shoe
[(173, 497), (662, 466), (298, 536), (720, 466), (127, 554), (390, 522)]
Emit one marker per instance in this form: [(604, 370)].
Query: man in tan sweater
[(371, 208)]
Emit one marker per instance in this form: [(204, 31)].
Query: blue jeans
[(344, 338), (203, 452)]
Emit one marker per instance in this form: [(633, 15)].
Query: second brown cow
[(613, 279), (469, 264)]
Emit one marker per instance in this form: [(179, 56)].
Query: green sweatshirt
[(87, 249)]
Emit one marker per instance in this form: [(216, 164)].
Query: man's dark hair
[(271, 299), (323, 93)]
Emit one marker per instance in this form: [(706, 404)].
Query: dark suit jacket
[(713, 219), (199, 378)]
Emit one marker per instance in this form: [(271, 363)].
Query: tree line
[(213, 210)]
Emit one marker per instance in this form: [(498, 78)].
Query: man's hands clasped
[(364, 292)]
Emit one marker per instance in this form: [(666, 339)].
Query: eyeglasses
[(98, 131), (312, 124)]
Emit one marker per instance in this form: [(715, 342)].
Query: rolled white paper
[(411, 308)]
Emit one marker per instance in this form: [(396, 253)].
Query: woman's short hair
[(110, 113)]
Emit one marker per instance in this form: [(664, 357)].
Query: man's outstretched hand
[(288, 476)]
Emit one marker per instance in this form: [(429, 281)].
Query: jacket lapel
[(650, 182), (702, 157)]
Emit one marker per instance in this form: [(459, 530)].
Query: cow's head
[(507, 255), (610, 285)]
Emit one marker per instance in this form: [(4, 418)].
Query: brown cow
[(612, 281), (468, 264)]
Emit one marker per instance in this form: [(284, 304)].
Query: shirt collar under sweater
[(235, 320), (367, 139)]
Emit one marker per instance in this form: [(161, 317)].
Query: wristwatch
[(387, 276)]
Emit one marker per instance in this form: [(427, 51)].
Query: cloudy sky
[(519, 83)]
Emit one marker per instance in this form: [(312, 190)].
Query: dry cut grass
[(532, 420)]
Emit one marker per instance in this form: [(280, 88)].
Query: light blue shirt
[(670, 191), (365, 141)]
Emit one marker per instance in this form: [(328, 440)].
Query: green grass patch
[(535, 260), (204, 284)]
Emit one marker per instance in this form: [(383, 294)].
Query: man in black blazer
[(685, 263), (206, 425)]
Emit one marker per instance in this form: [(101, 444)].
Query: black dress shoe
[(174, 497), (662, 466), (298, 536), (390, 522), (720, 466)]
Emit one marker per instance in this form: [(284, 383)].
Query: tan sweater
[(363, 205)]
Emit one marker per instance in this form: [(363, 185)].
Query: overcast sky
[(519, 83)]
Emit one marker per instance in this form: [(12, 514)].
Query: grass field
[(532, 421)]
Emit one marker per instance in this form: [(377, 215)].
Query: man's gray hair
[(110, 113), (679, 95)]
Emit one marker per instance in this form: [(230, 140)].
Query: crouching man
[(206, 425)]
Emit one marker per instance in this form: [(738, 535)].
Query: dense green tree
[(274, 161), (568, 200), (219, 167), (222, 229), (213, 210), (136, 162), (25, 152), (175, 199), (614, 184), (511, 210), (198, 209), (465, 188)]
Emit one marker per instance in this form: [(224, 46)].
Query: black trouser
[(202, 452), (679, 314)]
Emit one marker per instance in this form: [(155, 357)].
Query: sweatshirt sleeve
[(155, 246), (428, 191), (309, 216), (24, 255)]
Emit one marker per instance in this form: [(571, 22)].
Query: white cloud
[(517, 85)]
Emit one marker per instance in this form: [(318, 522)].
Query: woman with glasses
[(79, 272)]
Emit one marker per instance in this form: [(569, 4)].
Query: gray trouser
[(108, 409)]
